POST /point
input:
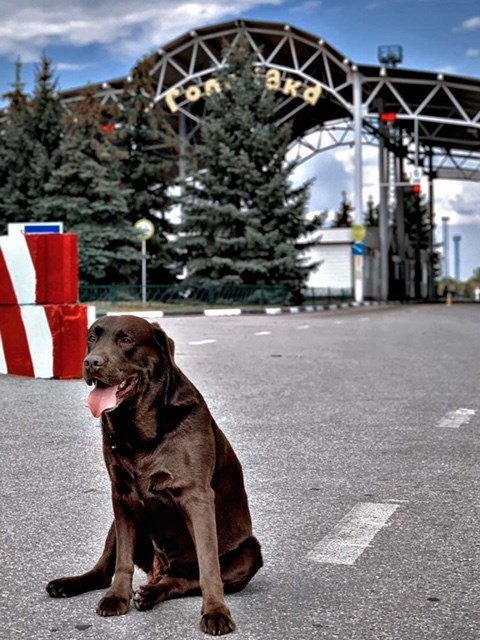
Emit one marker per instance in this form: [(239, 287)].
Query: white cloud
[(71, 66), (472, 53), (469, 25), (128, 28), (308, 6)]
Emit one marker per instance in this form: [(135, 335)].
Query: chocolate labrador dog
[(180, 508)]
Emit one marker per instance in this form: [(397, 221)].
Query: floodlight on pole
[(390, 54)]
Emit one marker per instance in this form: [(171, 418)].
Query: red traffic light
[(417, 189), (388, 116)]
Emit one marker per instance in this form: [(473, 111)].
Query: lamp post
[(456, 256), (145, 231), (446, 270)]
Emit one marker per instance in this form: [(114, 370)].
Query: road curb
[(236, 311)]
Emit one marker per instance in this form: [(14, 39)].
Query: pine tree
[(149, 164), (48, 127), (343, 217), (417, 229), (372, 213), (243, 222), (16, 152), (84, 191)]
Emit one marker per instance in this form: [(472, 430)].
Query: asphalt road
[(326, 412)]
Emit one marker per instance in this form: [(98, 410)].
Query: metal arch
[(287, 40), (194, 58), (339, 133)]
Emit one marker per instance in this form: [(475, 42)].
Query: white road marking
[(222, 312), (338, 321), (364, 319), (263, 333), (303, 326), (353, 534), (196, 342), (455, 419)]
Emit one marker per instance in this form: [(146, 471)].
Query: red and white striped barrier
[(39, 269), (42, 329), (44, 341)]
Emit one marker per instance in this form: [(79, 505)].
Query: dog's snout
[(94, 362)]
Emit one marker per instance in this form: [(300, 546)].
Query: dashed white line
[(263, 333), (197, 342), (303, 326), (455, 419), (353, 534), (364, 319)]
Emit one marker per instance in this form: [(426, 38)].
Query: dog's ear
[(164, 342)]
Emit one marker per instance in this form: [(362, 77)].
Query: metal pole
[(446, 269), (456, 254), (144, 271), (357, 121), (383, 216), (431, 271)]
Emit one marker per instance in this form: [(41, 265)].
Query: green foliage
[(343, 217), (372, 213), (84, 191), (148, 166), (47, 130), (243, 222), (16, 152)]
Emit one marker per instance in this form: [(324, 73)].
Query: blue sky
[(94, 40)]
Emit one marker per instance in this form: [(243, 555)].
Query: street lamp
[(145, 230)]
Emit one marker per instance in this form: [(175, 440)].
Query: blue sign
[(359, 249), (55, 227)]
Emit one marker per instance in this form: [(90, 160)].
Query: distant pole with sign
[(357, 119), (145, 231)]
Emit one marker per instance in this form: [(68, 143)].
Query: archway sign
[(417, 118)]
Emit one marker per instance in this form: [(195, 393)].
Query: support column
[(358, 187), (431, 218), (383, 214), (400, 225)]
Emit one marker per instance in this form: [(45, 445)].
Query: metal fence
[(207, 294)]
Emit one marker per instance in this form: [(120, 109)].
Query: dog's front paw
[(112, 606), (63, 588), (217, 623)]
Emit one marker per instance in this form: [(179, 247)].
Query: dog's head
[(124, 354)]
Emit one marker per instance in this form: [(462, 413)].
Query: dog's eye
[(91, 338), (126, 340)]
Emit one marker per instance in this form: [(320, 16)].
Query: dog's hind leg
[(100, 577), (237, 569), (166, 588), (240, 565)]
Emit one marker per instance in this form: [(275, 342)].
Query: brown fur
[(180, 508)]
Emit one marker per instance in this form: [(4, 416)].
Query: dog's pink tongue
[(101, 399)]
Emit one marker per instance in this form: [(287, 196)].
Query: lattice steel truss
[(440, 114)]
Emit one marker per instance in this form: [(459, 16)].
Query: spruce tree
[(84, 191), (243, 222), (148, 165), (343, 217), (417, 229), (16, 152), (48, 127)]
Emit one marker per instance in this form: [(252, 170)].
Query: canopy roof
[(440, 111)]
